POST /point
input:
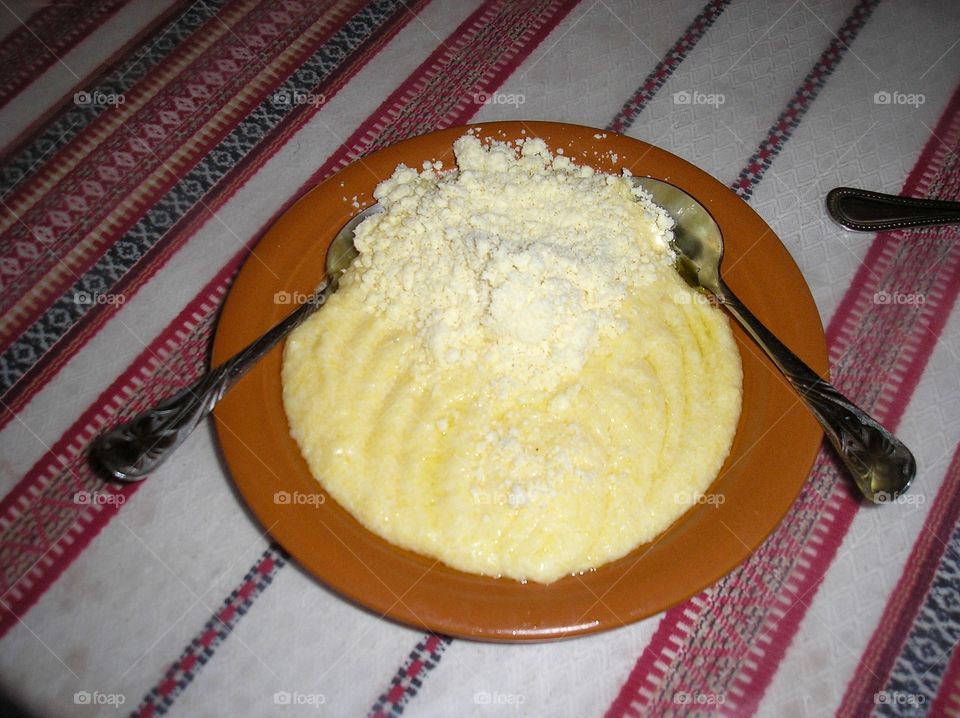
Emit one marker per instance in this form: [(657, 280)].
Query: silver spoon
[(881, 466), (132, 450), (866, 211)]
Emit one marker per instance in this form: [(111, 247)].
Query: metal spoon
[(866, 211), (879, 463), (132, 450)]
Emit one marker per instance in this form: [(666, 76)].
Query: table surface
[(147, 145)]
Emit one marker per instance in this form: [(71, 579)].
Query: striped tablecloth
[(147, 145)]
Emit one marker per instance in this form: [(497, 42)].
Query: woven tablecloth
[(147, 146)]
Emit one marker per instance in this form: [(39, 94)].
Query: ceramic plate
[(772, 454)]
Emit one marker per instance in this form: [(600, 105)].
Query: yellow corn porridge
[(512, 378)]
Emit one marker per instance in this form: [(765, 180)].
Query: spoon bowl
[(881, 466)]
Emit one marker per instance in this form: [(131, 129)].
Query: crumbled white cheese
[(518, 261)]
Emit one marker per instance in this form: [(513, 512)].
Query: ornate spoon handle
[(866, 211), (130, 451), (879, 462)]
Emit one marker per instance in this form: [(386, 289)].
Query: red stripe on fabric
[(907, 598), (645, 674), (405, 683), (61, 17), (67, 547), (81, 433), (78, 336), (677, 53), (434, 644), (40, 178), (152, 161), (182, 671), (676, 622), (754, 686), (92, 79), (187, 226), (947, 700), (460, 113), (913, 187), (833, 528), (798, 105)]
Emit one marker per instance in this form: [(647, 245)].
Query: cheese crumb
[(517, 260)]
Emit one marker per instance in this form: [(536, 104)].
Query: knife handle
[(866, 211)]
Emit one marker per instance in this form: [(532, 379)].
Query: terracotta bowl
[(772, 454)]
